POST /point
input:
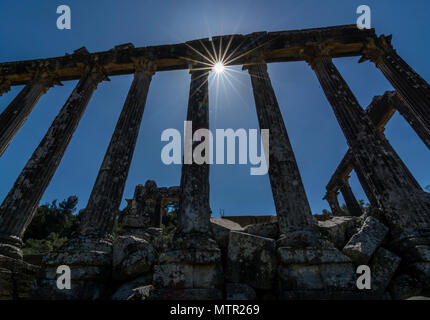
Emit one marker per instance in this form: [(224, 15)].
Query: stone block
[(132, 257), (383, 266), (339, 229), (221, 230), (239, 291), (366, 241), (252, 260), (266, 230)]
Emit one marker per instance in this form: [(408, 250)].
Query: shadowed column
[(405, 206), (410, 86), (333, 202), (411, 117), (103, 204), (15, 115), (351, 202), (292, 207), (194, 210), (18, 208), (4, 86)]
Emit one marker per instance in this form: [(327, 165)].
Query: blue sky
[(28, 31)]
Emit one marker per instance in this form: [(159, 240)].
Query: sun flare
[(218, 67)]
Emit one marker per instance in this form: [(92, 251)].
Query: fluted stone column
[(410, 86), (15, 115), (103, 204), (412, 118), (190, 268), (194, 210), (405, 207), (333, 202), (19, 206), (292, 207), (351, 202)]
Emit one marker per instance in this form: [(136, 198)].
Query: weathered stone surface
[(16, 278), (193, 262), (319, 277), (266, 230), (221, 230), (339, 229), (383, 266), (185, 276), (291, 203), (126, 291), (6, 284), (314, 272), (186, 294), (311, 256), (252, 260), (90, 261), (239, 291), (366, 241), (403, 287), (132, 257)]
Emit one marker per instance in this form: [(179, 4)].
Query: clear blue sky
[(28, 31)]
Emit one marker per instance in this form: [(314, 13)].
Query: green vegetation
[(52, 225)]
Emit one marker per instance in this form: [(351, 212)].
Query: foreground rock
[(251, 260), (16, 278), (315, 273), (132, 257), (339, 229), (366, 241), (191, 269), (239, 291)]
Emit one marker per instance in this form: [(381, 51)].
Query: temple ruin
[(290, 256)]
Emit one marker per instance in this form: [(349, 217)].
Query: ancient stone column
[(15, 115), (410, 86), (103, 204), (190, 268), (411, 117), (333, 202), (4, 86), (292, 207), (351, 202), (19, 206), (194, 210), (405, 207)]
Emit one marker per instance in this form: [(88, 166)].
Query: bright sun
[(218, 67)]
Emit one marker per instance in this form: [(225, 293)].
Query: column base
[(90, 262), (190, 269), (16, 278), (315, 273), (10, 246)]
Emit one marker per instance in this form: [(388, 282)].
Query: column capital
[(316, 52), (97, 73), (255, 57), (46, 78), (5, 85), (375, 49), (144, 65)]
